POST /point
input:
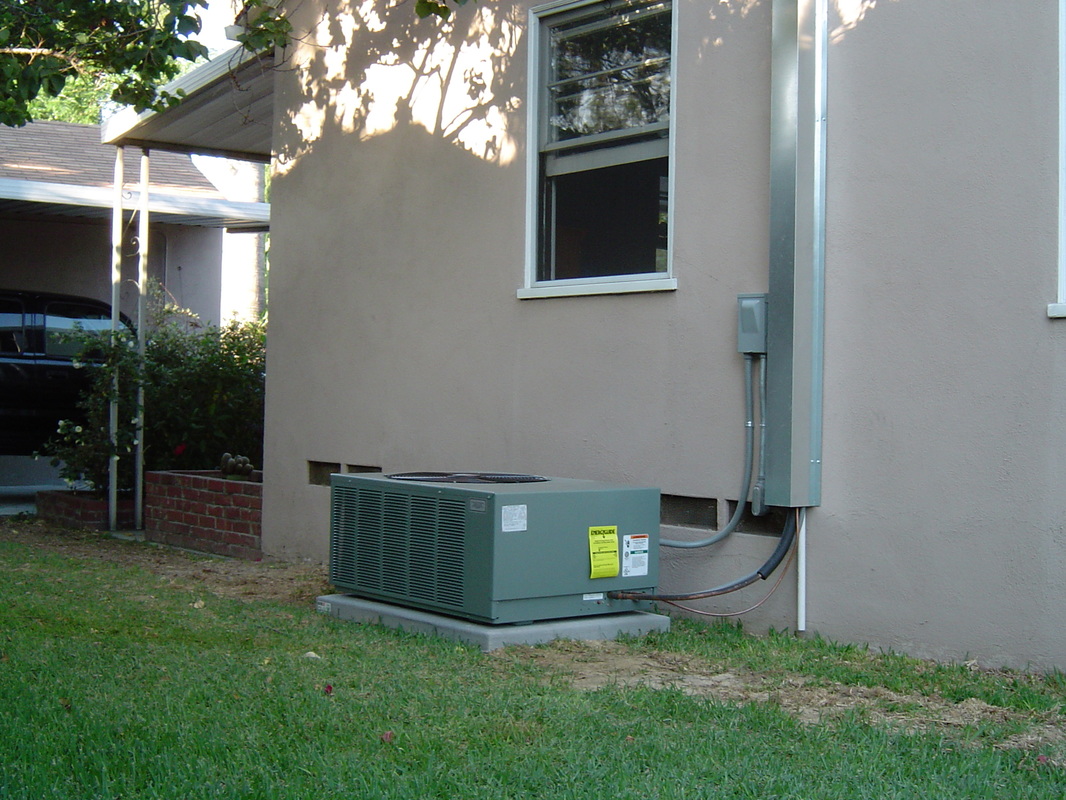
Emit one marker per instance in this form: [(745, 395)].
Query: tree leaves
[(47, 41), (43, 42), (424, 8)]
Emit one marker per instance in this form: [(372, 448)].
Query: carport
[(227, 110)]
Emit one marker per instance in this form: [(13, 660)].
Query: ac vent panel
[(398, 544), (487, 551)]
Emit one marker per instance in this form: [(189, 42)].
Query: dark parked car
[(39, 384)]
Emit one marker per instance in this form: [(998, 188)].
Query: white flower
[(77, 429)]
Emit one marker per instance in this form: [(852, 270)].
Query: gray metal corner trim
[(795, 329)]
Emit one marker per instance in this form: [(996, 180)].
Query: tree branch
[(73, 62)]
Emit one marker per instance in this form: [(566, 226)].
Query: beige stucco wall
[(397, 340), (943, 526)]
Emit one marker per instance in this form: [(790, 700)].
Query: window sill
[(1056, 310), (581, 288)]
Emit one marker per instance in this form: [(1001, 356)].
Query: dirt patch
[(592, 665), (268, 579)]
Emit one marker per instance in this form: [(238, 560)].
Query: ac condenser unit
[(493, 548)]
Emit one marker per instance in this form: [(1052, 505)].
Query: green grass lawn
[(116, 683)]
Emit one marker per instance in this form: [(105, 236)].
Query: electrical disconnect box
[(751, 323), (493, 548)]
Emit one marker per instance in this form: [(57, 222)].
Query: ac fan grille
[(397, 544)]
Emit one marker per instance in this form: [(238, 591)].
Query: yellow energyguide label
[(603, 551)]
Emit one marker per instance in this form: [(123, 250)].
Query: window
[(599, 171), (63, 318), (12, 332)]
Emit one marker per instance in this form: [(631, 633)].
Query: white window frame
[(1058, 309), (609, 284)]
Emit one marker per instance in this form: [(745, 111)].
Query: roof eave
[(227, 110)]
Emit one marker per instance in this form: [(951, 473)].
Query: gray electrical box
[(751, 323), (493, 548)]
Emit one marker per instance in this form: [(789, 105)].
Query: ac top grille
[(398, 544)]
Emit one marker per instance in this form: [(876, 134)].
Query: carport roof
[(50, 169), (227, 110)]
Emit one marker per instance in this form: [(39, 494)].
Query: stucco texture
[(397, 340)]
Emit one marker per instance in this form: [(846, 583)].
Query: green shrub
[(82, 447), (204, 394), (204, 391)]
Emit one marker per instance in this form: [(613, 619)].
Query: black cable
[(788, 535)]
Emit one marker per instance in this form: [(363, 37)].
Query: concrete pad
[(491, 637)]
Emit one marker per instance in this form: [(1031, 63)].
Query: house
[(517, 242), (56, 203)]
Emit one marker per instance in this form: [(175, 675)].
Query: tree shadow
[(367, 68)]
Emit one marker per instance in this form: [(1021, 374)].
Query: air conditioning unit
[(493, 548)]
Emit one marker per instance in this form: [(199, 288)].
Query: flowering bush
[(203, 393), (82, 447)]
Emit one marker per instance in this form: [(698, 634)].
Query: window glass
[(62, 318), (610, 73), (609, 221), (602, 195), (12, 332)]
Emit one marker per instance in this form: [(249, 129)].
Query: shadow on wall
[(844, 15), (366, 68), (369, 67)]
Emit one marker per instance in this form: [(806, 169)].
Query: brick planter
[(202, 511), (81, 509)]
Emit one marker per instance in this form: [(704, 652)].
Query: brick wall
[(81, 510), (201, 511)]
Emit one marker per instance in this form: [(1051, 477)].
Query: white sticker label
[(593, 596), (514, 519), (635, 554)]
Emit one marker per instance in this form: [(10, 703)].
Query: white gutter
[(222, 211)]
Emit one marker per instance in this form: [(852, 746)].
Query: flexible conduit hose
[(749, 461), (788, 535)]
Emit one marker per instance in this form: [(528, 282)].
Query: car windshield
[(63, 318), (12, 333)]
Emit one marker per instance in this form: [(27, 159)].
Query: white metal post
[(116, 286), (142, 287)]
